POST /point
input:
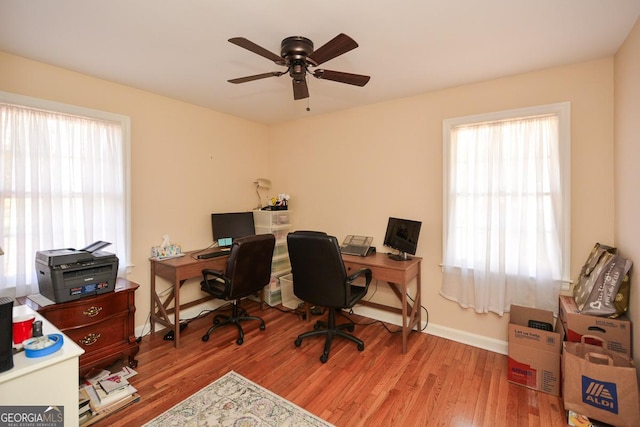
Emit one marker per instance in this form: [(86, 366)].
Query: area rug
[(233, 400)]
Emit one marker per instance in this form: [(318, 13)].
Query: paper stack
[(103, 393)]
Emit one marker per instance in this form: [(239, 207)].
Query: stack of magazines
[(102, 393)]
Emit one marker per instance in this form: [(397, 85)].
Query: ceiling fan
[(297, 54)]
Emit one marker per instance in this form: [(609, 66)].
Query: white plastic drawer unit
[(280, 264), (271, 218), (280, 250), (281, 235)]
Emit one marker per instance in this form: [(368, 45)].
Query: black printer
[(69, 274)]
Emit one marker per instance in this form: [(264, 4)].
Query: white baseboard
[(187, 313), (491, 344)]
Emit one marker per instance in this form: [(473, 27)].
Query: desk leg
[(405, 328), (407, 312), (410, 313), (415, 316), (418, 302), (160, 311), (152, 306), (176, 313)]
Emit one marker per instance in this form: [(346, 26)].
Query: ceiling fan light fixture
[(297, 71)]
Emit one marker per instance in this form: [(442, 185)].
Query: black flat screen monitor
[(402, 235), (229, 226)]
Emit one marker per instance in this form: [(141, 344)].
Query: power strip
[(170, 336)]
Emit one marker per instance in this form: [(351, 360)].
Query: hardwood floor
[(436, 383)]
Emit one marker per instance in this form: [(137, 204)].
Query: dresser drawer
[(99, 336), (102, 325), (85, 312)]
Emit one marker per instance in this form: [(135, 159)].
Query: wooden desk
[(398, 274), (177, 271)]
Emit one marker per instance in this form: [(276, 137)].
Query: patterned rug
[(233, 400)]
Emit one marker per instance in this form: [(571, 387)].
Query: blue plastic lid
[(42, 346)]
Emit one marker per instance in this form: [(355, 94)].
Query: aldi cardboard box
[(534, 354), (616, 333)]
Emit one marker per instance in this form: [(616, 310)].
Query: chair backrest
[(319, 276), (249, 264)]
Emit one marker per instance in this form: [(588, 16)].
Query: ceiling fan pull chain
[(308, 98)]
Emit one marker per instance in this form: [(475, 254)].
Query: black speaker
[(6, 333)]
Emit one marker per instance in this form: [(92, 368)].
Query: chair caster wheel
[(262, 327), (324, 358), (239, 341), (298, 342), (205, 338), (350, 328), (360, 347)]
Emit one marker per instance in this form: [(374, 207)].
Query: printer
[(69, 274)]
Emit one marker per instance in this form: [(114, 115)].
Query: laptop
[(356, 245)]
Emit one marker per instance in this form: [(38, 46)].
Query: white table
[(44, 381)]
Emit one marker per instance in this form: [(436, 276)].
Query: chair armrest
[(208, 272), (218, 276), (355, 275)]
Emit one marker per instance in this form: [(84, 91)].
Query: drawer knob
[(92, 311), (89, 339)]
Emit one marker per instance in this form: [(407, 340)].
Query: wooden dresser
[(102, 325)]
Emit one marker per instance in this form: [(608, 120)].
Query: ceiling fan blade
[(300, 89), (255, 77), (338, 76), (340, 44), (249, 45)]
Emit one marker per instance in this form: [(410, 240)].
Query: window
[(63, 184), (506, 208)]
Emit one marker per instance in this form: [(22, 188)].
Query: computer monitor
[(227, 227), (402, 235)]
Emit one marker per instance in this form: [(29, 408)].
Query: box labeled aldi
[(534, 349)]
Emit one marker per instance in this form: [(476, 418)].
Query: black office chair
[(320, 278), (248, 272)]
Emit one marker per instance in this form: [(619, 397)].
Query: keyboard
[(213, 254)]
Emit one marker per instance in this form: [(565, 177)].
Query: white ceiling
[(179, 48)]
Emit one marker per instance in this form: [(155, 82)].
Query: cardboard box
[(616, 333), (534, 354)]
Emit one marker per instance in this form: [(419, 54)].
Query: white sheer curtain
[(504, 229), (62, 185)]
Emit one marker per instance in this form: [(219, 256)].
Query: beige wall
[(186, 161), (348, 172), (627, 170)]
